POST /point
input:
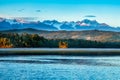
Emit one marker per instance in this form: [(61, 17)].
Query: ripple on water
[(59, 68)]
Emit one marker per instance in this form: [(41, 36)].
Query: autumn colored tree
[(5, 43)]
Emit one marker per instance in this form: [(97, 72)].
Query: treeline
[(14, 40), (23, 40)]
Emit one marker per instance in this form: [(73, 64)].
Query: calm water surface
[(59, 68)]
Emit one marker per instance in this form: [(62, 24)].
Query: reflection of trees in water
[(92, 62)]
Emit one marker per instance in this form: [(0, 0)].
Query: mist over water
[(54, 67)]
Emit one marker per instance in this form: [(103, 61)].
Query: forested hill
[(93, 35), (14, 40)]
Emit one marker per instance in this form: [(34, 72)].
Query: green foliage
[(34, 40)]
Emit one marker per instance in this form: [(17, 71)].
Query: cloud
[(20, 10), (38, 10), (27, 18), (90, 16)]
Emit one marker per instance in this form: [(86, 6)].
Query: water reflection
[(68, 60)]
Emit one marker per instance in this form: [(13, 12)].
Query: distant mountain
[(9, 24), (94, 35), (54, 25)]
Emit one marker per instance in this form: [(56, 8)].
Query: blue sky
[(104, 11)]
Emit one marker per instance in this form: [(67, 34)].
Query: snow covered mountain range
[(54, 25)]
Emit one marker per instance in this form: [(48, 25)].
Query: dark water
[(59, 68)]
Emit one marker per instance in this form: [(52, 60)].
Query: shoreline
[(59, 51)]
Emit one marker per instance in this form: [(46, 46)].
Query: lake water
[(47, 67)]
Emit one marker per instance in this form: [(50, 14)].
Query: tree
[(5, 43)]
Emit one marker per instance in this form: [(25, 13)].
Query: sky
[(104, 11)]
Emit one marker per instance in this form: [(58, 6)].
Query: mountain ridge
[(54, 25), (93, 35)]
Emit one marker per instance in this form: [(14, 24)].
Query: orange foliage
[(63, 45), (5, 43)]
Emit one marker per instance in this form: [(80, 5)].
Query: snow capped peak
[(73, 25), (54, 24), (86, 21), (104, 24), (50, 21), (84, 24)]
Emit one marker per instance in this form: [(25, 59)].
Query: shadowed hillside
[(94, 35)]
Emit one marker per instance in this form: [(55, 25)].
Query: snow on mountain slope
[(6, 24)]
